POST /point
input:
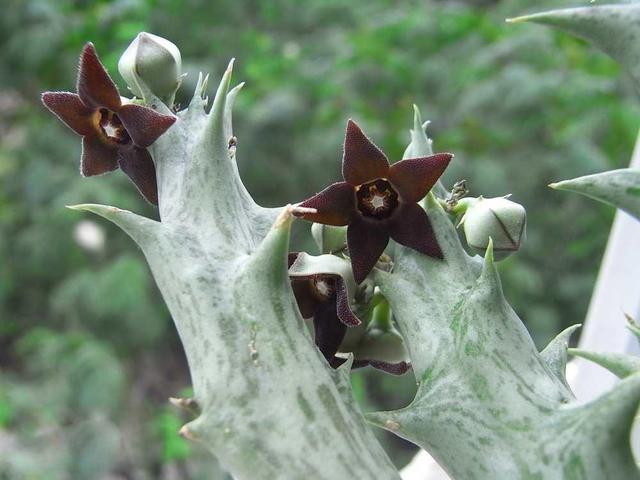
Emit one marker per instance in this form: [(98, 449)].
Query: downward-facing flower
[(114, 134), (325, 299), (377, 201)]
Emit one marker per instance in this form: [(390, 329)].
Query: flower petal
[(413, 178), (143, 124), (329, 331), (336, 205), (399, 368), (95, 87), (362, 160), (410, 226), (97, 157), (335, 362), (306, 300), (366, 243), (343, 309), (359, 364), (69, 108), (138, 165)]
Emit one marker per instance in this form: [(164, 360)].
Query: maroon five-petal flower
[(113, 134), (378, 201), (324, 298)]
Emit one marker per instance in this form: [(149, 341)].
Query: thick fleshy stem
[(220, 261), (488, 404)]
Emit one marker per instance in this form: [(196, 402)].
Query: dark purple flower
[(113, 134), (324, 298), (377, 201)]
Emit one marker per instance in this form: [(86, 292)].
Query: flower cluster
[(114, 133), (324, 298), (376, 201)]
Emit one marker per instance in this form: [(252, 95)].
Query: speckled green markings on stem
[(489, 405), (270, 407)]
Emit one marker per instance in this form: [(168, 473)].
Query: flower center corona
[(377, 199), (323, 287), (112, 127)]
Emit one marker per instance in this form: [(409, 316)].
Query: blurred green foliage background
[(88, 354)]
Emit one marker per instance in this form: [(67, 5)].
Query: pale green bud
[(383, 346), (154, 64), (329, 239), (501, 220)]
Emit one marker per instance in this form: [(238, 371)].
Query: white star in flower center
[(323, 288), (377, 202), (110, 130)]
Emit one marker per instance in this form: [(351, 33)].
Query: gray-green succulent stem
[(270, 406), (489, 406)]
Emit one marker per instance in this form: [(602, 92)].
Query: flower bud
[(153, 63), (501, 220), (329, 239), (383, 346)]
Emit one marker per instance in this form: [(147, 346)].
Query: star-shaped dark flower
[(324, 298), (113, 134), (377, 201)]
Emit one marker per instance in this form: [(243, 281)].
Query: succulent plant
[(272, 401)]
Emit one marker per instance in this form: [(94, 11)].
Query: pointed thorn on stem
[(299, 211), (230, 66), (392, 425), (188, 404), (184, 432), (289, 212), (630, 319)]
